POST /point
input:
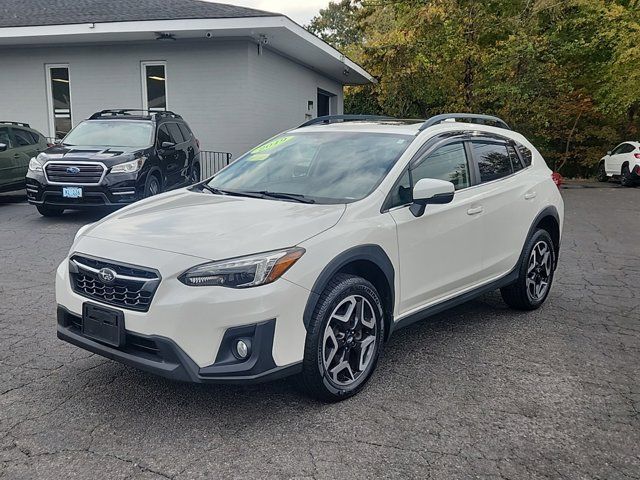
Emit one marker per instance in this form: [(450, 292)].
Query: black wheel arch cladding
[(382, 276)]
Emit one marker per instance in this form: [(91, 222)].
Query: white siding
[(231, 97)]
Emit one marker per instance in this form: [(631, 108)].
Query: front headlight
[(242, 272), (35, 165), (129, 167)]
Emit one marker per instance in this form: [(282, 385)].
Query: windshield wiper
[(219, 191), (296, 197)]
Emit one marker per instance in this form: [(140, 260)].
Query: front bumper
[(191, 326), (162, 356), (113, 191)]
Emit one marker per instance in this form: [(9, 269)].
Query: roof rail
[(21, 124), (328, 119), (483, 119), (132, 111)]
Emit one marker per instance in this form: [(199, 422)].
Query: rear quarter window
[(525, 153)]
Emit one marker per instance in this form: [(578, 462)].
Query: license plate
[(103, 324), (72, 192)]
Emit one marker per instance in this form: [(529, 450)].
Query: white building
[(236, 75)]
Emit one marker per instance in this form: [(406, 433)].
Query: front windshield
[(326, 167), (111, 133)]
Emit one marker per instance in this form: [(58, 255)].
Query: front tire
[(152, 186), (47, 211), (601, 174), (625, 177), (344, 339), (535, 274)]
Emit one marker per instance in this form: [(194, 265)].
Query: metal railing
[(212, 162)]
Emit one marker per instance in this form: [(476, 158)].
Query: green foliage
[(565, 74)]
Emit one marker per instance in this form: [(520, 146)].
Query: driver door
[(440, 252)]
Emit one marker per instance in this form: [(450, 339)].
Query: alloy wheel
[(349, 341), (539, 271)]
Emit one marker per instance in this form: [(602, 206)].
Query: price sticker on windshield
[(258, 157), (272, 145)]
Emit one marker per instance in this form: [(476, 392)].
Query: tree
[(565, 74)]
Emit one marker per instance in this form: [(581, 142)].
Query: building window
[(59, 94), (154, 86)]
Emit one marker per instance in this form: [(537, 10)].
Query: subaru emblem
[(73, 170), (106, 275)]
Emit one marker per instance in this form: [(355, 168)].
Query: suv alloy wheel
[(344, 340)]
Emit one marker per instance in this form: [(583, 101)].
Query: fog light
[(242, 349)]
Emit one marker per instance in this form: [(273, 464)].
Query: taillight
[(557, 179), (637, 155), (50, 145)]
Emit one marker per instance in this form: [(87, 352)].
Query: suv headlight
[(129, 167), (242, 272), (35, 165)]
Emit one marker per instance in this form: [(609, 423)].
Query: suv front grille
[(132, 287), (87, 174)]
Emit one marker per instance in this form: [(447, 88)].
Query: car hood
[(215, 227), (78, 153)]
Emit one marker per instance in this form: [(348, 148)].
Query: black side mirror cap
[(3, 147), (418, 207)]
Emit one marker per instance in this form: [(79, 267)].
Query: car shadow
[(12, 198), (130, 387)]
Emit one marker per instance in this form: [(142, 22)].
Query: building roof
[(74, 22), (24, 13)]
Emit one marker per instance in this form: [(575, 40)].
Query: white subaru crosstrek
[(307, 253), (624, 161)]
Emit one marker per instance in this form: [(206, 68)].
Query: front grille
[(63, 173), (133, 287)]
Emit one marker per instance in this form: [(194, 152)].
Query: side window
[(186, 133), (23, 138), (401, 193), (619, 149), (516, 164), (493, 160), (175, 132), (446, 163), (526, 154), (628, 148), (5, 137), (164, 135)]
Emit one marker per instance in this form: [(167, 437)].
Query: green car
[(18, 144)]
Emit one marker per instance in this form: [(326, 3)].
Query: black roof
[(23, 13)]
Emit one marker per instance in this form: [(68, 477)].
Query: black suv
[(112, 159)]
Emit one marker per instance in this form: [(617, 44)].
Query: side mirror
[(3, 147), (429, 191), (168, 145), (609, 152)]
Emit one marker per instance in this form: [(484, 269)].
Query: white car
[(307, 253), (623, 161)]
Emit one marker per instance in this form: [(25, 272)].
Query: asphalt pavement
[(480, 391)]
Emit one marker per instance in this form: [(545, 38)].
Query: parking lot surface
[(477, 392)]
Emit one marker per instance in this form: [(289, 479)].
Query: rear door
[(507, 195), (6, 157), (27, 146)]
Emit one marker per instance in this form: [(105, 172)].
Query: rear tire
[(535, 274), (47, 211), (344, 339), (601, 174), (625, 177)]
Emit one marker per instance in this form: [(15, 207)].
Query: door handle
[(17, 155), (475, 210), (530, 195)]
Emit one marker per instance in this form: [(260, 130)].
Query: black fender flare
[(372, 253), (549, 211)]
